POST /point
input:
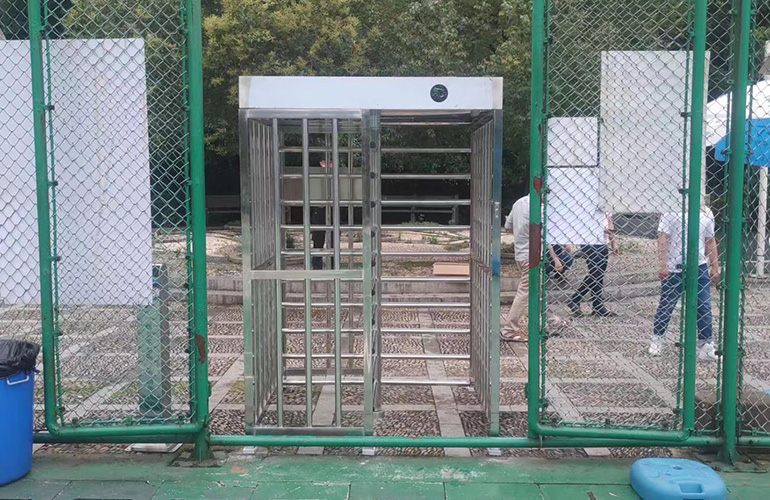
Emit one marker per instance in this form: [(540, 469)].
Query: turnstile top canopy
[(403, 94)]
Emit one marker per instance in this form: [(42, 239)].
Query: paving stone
[(206, 491), (300, 491), (611, 395), (574, 368), (397, 491), (117, 490)]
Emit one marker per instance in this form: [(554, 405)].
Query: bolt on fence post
[(693, 214), (198, 195), (43, 209), (733, 266), (535, 215)]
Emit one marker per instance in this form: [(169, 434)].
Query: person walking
[(517, 222), (670, 253), (597, 257)]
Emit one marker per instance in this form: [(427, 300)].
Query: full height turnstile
[(312, 205)]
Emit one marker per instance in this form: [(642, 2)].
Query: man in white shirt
[(671, 231), (517, 222)]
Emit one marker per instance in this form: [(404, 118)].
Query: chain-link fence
[(618, 156), (19, 292), (755, 321), (117, 145)]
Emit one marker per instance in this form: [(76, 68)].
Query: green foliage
[(13, 20), (361, 37)]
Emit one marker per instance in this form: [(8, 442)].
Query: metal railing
[(171, 318)]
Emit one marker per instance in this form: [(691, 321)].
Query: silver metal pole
[(337, 290), (279, 243), (308, 290)]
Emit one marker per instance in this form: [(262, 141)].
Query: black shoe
[(574, 308), (604, 313)]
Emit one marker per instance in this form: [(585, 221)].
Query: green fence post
[(535, 215), (198, 194), (734, 232), (693, 215), (43, 210)]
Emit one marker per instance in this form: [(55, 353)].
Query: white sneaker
[(707, 352), (656, 346)]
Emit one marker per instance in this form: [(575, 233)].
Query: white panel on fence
[(102, 163), (643, 141), (575, 213), (19, 283)]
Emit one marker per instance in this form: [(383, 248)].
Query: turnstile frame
[(264, 127)]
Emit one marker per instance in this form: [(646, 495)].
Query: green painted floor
[(136, 477)]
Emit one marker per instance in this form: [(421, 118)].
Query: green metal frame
[(44, 186), (540, 435)]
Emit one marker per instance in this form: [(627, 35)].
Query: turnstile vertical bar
[(308, 287), (279, 243), (247, 171), (337, 291), (366, 225), (497, 181), (376, 161), (351, 259)]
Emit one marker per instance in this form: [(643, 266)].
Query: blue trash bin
[(17, 395)]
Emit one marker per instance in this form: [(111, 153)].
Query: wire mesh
[(618, 100), (118, 157), (19, 285), (755, 349)]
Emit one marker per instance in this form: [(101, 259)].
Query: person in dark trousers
[(597, 258)]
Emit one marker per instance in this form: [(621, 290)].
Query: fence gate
[(108, 114), (318, 350), (618, 158)]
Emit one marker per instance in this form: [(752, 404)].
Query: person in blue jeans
[(670, 254)]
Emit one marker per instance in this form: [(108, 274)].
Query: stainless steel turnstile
[(311, 185)]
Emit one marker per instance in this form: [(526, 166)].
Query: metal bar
[(496, 272), (425, 279), (428, 305), (437, 177), (308, 291), (693, 217), (385, 381), (446, 442), (317, 431), (48, 438), (426, 254), (198, 195), (426, 124), (392, 331), (733, 269), (426, 203), (388, 203), (298, 275), (366, 222), (337, 286), (43, 214), (321, 176), (321, 149), (313, 251), (245, 127), (535, 179), (384, 356), (433, 177), (394, 305), (294, 227), (279, 242)]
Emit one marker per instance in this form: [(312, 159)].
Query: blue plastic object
[(16, 425), (676, 479)]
